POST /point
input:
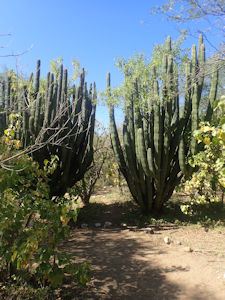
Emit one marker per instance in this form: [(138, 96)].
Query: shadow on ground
[(124, 266), (205, 214)]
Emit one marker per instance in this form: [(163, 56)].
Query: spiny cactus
[(156, 139), (57, 123)]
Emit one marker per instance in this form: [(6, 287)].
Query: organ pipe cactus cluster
[(56, 122), (156, 136)]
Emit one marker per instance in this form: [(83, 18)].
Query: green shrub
[(208, 183), (31, 224)]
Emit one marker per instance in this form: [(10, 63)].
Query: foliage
[(76, 69), (17, 289), (31, 224), (208, 183), (142, 66), (55, 68), (103, 171), (111, 174), (85, 187), (8, 140), (187, 10)]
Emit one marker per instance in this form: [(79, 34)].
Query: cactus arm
[(114, 134), (201, 63), (2, 107), (212, 94), (37, 79), (157, 132), (59, 92), (195, 118), (115, 141)]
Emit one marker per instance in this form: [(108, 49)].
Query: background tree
[(210, 17), (85, 187), (186, 11)]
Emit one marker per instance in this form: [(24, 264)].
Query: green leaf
[(14, 256)]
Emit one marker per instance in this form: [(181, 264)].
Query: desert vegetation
[(62, 173)]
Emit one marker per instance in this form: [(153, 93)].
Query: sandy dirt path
[(131, 264)]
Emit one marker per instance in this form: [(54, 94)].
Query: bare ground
[(128, 263)]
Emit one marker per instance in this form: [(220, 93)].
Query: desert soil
[(128, 263)]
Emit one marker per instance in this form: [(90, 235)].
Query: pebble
[(167, 240), (123, 225), (188, 249), (98, 225), (132, 228), (67, 196), (149, 230), (84, 225), (179, 243), (107, 224)]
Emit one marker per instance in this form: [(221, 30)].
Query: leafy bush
[(31, 224), (208, 183)]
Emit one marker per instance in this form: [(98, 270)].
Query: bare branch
[(5, 34), (17, 54)]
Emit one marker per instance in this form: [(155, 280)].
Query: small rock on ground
[(149, 230), (188, 249), (167, 240), (84, 225), (107, 224)]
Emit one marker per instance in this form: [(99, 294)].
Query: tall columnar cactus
[(156, 141), (56, 122)]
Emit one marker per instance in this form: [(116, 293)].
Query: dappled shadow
[(204, 213), (101, 212), (176, 269), (126, 262), (124, 266), (128, 212)]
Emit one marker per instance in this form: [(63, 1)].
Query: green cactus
[(57, 125), (2, 106), (37, 79), (156, 140)]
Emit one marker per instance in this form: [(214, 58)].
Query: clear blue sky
[(93, 32)]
